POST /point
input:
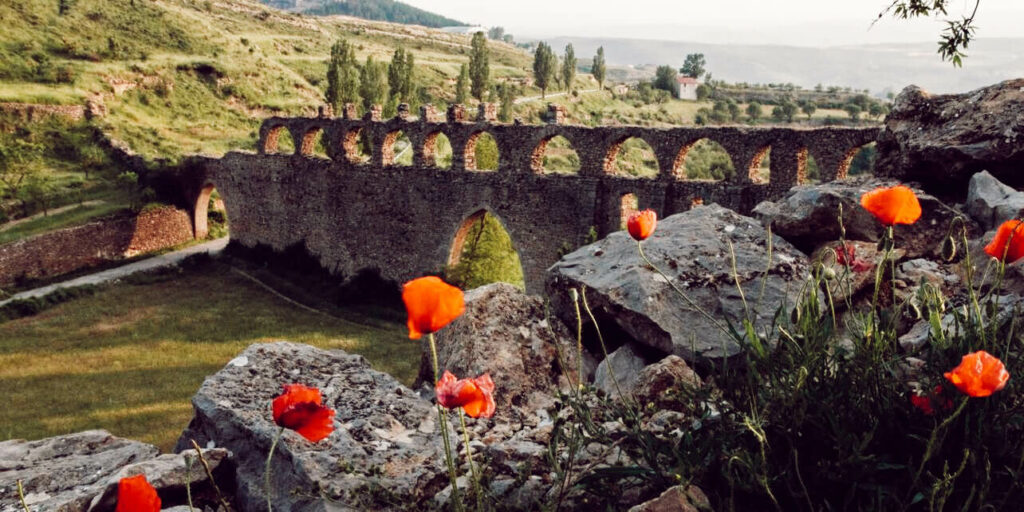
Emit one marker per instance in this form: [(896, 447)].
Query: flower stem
[(579, 338), (469, 458), (188, 482), (266, 470), (442, 418), (21, 496)]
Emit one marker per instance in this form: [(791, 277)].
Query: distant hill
[(879, 67), (379, 10)]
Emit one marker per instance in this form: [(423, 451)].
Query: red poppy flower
[(135, 494), (926, 403), (1009, 241), (641, 224), (979, 374), (893, 205), (475, 396), (846, 255), (301, 409), (431, 304)]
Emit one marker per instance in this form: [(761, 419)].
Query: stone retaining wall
[(67, 250)]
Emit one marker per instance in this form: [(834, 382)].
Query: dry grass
[(130, 358)]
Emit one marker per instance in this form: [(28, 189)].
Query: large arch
[(566, 161), (703, 159), (437, 150), (646, 166), (201, 212), (275, 144), (473, 159), (313, 143), (487, 233)]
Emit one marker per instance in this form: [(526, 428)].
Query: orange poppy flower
[(1009, 241), (475, 396), (301, 409), (431, 304), (893, 205), (979, 374), (135, 494), (641, 224)]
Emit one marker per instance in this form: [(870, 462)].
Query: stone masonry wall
[(354, 214), (71, 249)]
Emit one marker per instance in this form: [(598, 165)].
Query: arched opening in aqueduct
[(555, 155), (631, 157), (482, 152), (437, 150), (209, 215), (482, 252), (279, 142), (398, 149), (704, 160)]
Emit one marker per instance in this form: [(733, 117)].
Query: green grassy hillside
[(182, 76)]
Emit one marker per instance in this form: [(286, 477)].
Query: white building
[(687, 87)]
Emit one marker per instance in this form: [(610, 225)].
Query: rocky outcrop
[(941, 140), (385, 437), (662, 383), (79, 472), (990, 202), (504, 332), (808, 216), (620, 371), (695, 250)]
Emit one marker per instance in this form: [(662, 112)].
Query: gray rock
[(990, 202), (65, 472), (693, 249), (809, 216), (384, 433), (625, 363), (941, 140), (504, 332)]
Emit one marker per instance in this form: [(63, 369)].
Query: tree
[(808, 108), (569, 67), (508, 39), (18, 167), (479, 66), (409, 82), (694, 65), (342, 76), (543, 67), (665, 79), (703, 92), (853, 110), (754, 111), (373, 85), (598, 68), (734, 110), (496, 33), (954, 38), (507, 95), (877, 110), (462, 85), (396, 73), (789, 110)]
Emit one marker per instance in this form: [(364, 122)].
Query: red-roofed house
[(687, 87)]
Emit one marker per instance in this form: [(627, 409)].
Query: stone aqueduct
[(352, 214)]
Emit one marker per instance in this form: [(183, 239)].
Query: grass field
[(129, 358)]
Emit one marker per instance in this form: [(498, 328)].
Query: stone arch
[(759, 168), (483, 223), (352, 145), (703, 160), (201, 212), (642, 160), (628, 205), (563, 157), (480, 160), (397, 140), (314, 143), (276, 144), (437, 150), (846, 165)]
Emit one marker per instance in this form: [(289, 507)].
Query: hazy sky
[(790, 22)]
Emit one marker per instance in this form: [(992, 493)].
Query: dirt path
[(54, 211), (550, 95), (164, 260)]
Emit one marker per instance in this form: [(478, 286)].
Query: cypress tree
[(479, 66), (462, 85), (342, 76), (569, 67), (543, 67), (373, 86), (598, 69)]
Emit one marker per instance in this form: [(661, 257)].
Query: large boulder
[(504, 332), (941, 140), (80, 472), (384, 434), (694, 249), (809, 216), (991, 202)]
